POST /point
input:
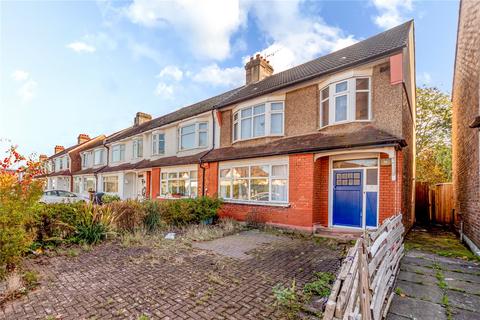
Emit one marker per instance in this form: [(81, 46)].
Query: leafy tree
[(434, 132)]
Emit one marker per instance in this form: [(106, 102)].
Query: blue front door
[(347, 198)]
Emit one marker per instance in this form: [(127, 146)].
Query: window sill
[(261, 137), (258, 203), (343, 122), (194, 148)]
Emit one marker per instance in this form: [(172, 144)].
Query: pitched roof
[(183, 113), (88, 171), (59, 173), (172, 161), (366, 136), (372, 48), (98, 140)]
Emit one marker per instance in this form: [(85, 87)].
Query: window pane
[(358, 163), (202, 126), (246, 112), (202, 139), (279, 190), (188, 129), (340, 87), (341, 108), (372, 177), (172, 175), (182, 187), (259, 190), (161, 146), (259, 109), (259, 126), (172, 186), (241, 172), (325, 108), (164, 175), (279, 171), (246, 128), (183, 175), (225, 189), (240, 189), (235, 131), (259, 171), (193, 188), (276, 126), (277, 106), (362, 84), (225, 173), (164, 189), (361, 106), (188, 141), (325, 93)]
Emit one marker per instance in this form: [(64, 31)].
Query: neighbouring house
[(329, 143), (65, 161), (466, 124)]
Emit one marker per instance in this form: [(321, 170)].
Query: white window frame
[(137, 148), (77, 184), (104, 178), (351, 93), (197, 132), (164, 193), (121, 150), (102, 157), (237, 119), (156, 143), (85, 183), (249, 165)]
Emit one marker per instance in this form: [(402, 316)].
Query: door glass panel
[(356, 163), (372, 177)]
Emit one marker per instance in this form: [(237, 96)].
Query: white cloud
[(216, 76), (28, 87), (140, 50), (171, 72), (164, 90), (298, 37), (20, 75), (79, 46), (206, 26), (391, 12)]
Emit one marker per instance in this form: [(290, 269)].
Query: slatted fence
[(364, 286)]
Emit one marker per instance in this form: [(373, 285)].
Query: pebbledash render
[(466, 124), (329, 143)]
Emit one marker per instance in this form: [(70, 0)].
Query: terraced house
[(329, 143)]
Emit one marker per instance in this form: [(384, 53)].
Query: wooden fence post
[(364, 280)]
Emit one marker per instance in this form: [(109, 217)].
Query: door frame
[(352, 156)]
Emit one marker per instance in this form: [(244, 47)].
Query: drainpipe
[(213, 147)]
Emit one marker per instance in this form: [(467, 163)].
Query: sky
[(71, 67)]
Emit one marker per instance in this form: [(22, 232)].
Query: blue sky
[(71, 67)]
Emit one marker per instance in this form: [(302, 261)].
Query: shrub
[(152, 219), (109, 198), (129, 214), (185, 211)]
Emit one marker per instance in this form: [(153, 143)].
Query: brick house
[(329, 143), (466, 123), (65, 161)]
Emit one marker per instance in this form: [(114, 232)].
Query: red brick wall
[(390, 198), (320, 195), (148, 177), (155, 180)]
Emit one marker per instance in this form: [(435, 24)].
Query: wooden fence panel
[(443, 203)]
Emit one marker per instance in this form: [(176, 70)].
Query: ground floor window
[(76, 184), (110, 184), (88, 184), (181, 183), (257, 183)]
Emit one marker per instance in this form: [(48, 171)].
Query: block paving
[(171, 282)]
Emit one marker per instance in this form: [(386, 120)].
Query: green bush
[(152, 220), (129, 214), (321, 285), (181, 212), (109, 198)]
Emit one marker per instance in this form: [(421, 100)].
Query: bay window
[(76, 184), (118, 153), (110, 184), (158, 143), (256, 183), (346, 100), (137, 148), (193, 136), (98, 156), (179, 183), (258, 121), (85, 160), (88, 184)]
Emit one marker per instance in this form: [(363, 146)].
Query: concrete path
[(430, 286)]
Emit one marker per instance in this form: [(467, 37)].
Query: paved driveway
[(172, 280)]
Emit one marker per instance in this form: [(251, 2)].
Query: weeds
[(286, 298), (320, 286)]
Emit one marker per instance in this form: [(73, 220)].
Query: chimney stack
[(59, 149), (42, 158), (257, 69), (140, 118), (82, 137)]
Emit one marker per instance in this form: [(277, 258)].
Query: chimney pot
[(58, 149), (257, 69), (82, 137), (141, 117), (42, 157)]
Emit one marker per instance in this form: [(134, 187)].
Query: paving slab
[(418, 278), (416, 309), (459, 314), (430, 293), (462, 276), (465, 286), (464, 301)]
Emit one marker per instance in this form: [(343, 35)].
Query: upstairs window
[(347, 100), (98, 156), (118, 153), (158, 143), (258, 121), (137, 148), (59, 164), (194, 136), (86, 160)]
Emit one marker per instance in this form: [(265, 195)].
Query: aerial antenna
[(272, 53)]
